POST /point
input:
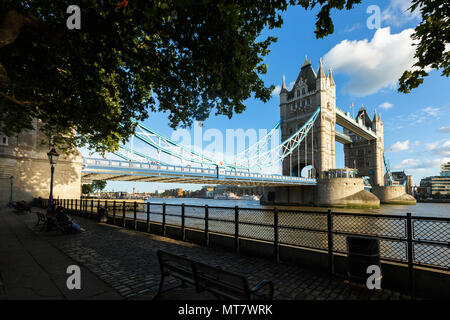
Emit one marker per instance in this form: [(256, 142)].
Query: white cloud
[(277, 90), (407, 163), (353, 27), (375, 64), (431, 111), (440, 148), (417, 165), (444, 130), (399, 146), (433, 145), (398, 13), (386, 105)]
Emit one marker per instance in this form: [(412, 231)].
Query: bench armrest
[(261, 285)]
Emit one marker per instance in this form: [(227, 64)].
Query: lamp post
[(53, 158), (10, 196)]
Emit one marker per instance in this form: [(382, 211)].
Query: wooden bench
[(50, 223), (222, 284), (41, 218)]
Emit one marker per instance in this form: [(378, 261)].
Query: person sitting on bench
[(61, 217)]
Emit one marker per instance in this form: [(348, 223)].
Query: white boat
[(226, 196), (250, 198)]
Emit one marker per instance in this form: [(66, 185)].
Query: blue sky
[(366, 65)]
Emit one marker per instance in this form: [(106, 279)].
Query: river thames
[(420, 209)]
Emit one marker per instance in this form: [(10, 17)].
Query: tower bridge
[(309, 116)]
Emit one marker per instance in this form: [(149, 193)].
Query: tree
[(86, 189), (98, 185), (433, 38), (87, 86), (185, 57)]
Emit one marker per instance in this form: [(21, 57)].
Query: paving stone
[(127, 261)]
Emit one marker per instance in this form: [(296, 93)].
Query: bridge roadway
[(346, 121), (119, 170)]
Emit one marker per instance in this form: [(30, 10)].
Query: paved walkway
[(126, 260), (32, 268)]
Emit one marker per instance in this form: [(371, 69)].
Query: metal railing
[(409, 240)]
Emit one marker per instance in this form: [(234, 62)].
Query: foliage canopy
[(188, 58)]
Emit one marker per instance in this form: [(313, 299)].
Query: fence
[(409, 240)]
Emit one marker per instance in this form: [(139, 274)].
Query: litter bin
[(102, 215), (362, 252)]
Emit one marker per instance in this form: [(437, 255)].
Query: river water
[(308, 229), (420, 209)]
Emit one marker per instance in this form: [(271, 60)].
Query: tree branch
[(18, 102)]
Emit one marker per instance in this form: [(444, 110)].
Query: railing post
[(164, 219), (409, 230), (330, 241), (106, 210), (206, 225), (76, 206), (148, 216), (275, 235), (92, 208), (71, 205), (114, 212), (183, 237), (134, 214), (123, 213), (236, 228), (98, 206)]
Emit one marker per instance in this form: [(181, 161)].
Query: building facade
[(438, 184), (366, 155), (24, 157)]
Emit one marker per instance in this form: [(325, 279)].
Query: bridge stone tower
[(366, 155), (25, 158), (310, 91)]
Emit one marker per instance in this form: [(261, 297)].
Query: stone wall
[(344, 192), (335, 192), (25, 158), (393, 195)]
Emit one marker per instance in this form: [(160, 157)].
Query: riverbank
[(434, 201)]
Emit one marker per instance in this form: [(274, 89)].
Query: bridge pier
[(393, 195), (329, 192)]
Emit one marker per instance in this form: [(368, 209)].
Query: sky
[(367, 62)]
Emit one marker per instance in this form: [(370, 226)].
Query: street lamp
[(10, 196), (53, 158)]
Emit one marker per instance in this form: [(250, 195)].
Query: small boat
[(250, 198), (226, 196)]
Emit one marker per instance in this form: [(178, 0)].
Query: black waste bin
[(102, 215), (362, 252)]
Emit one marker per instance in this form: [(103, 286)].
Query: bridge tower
[(366, 155), (297, 105), (24, 156)]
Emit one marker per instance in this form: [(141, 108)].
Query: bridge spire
[(321, 73), (283, 88), (331, 77)]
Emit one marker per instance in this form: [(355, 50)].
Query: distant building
[(445, 169), (438, 184)]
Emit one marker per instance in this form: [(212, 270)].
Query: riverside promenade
[(118, 263)]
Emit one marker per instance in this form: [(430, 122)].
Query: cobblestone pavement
[(127, 261)]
